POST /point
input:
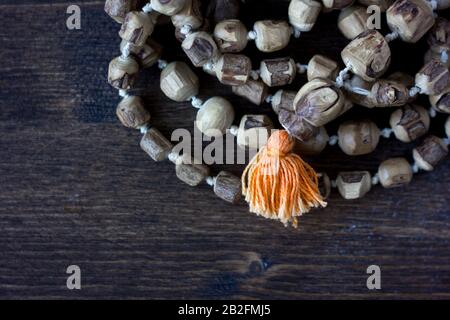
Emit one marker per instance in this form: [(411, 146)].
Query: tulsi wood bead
[(231, 36), (439, 36), (147, 55), (362, 100), (315, 145), (200, 48), (215, 117), (395, 172), (168, 7), (233, 69), (324, 185), (389, 93), (319, 102), (303, 14), (411, 19), (382, 4), (322, 67), (228, 187), (410, 122), (253, 90), (178, 82), (278, 72), (428, 155), (272, 35), (123, 72), (254, 131), (358, 137), (132, 113), (433, 78), (221, 10), (137, 27), (441, 101), (447, 127), (190, 15), (156, 145), (189, 172), (118, 9), (368, 55), (352, 21), (283, 99), (354, 185), (337, 4), (297, 126)]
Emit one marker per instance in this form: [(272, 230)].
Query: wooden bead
[(132, 113), (122, 72), (354, 184), (147, 55), (315, 145), (433, 78), (441, 102), (297, 126), (428, 154), (228, 187), (221, 10), (118, 9), (278, 72), (337, 4), (272, 35), (156, 145), (322, 67), (389, 93), (358, 137), (439, 36), (442, 4), (231, 36), (411, 19), (215, 117), (395, 172), (319, 102), (382, 4), (447, 127), (352, 21), (137, 27), (283, 99), (200, 48), (324, 185), (303, 14), (254, 131), (189, 172), (253, 90), (368, 55), (178, 82), (233, 69), (362, 100), (168, 7), (410, 122), (432, 54), (190, 15), (402, 77)]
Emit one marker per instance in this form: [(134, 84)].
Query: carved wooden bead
[(303, 14), (324, 185), (190, 15), (411, 19), (228, 187), (389, 93), (168, 7), (433, 78), (395, 172), (315, 145), (352, 21), (137, 27), (221, 10), (231, 36), (447, 127), (254, 91), (272, 35), (156, 145), (368, 55), (362, 100), (123, 72), (354, 184), (358, 137), (428, 155), (189, 172), (410, 122), (322, 67), (200, 48), (283, 99), (118, 9), (382, 4), (214, 117), (278, 72), (441, 102), (319, 102), (233, 69), (254, 131), (297, 126), (337, 4), (178, 82), (439, 35), (147, 55), (132, 113)]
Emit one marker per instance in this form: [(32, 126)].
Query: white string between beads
[(375, 179), (444, 56), (196, 102), (415, 168), (254, 74), (147, 8), (301, 68), (186, 29), (386, 133), (251, 35), (342, 77), (432, 112), (333, 140), (414, 91), (296, 33), (391, 36), (211, 181), (234, 130), (162, 64)]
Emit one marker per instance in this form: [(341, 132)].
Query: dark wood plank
[(76, 189)]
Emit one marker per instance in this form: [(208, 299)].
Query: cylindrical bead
[(283, 99), (254, 91), (278, 72), (322, 67), (214, 117), (315, 145), (190, 16), (303, 14), (410, 122), (168, 7), (189, 172), (122, 72), (156, 145), (231, 36), (352, 21), (132, 113), (358, 137), (297, 126), (395, 172), (118, 9), (200, 48), (433, 78), (441, 102), (228, 187), (389, 93), (354, 184), (233, 69), (254, 131), (428, 154), (137, 27), (178, 82), (272, 35)]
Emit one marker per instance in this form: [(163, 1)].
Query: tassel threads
[(278, 184)]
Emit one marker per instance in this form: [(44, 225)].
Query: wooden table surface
[(76, 189)]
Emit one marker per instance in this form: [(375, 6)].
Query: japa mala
[(277, 183)]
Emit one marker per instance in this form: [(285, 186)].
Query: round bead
[(410, 122), (168, 7), (190, 15), (254, 131), (322, 67), (231, 36), (447, 127), (395, 172), (303, 14), (233, 69), (441, 102), (278, 72), (137, 27), (272, 35), (358, 137), (315, 145), (200, 48), (354, 185), (178, 82), (389, 93), (122, 72), (132, 113), (352, 21), (215, 117), (428, 154)]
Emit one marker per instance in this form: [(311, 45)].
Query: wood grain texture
[(75, 187)]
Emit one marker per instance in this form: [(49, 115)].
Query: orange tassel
[(278, 184)]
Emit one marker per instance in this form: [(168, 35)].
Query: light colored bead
[(428, 154), (352, 21), (233, 69), (362, 100), (447, 127), (337, 4), (168, 7), (283, 99), (441, 102), (156, 145), (354, 185), (358, 137), (215, 117), (432, 54), (315, 145), (189, 172), (122, 72), (303, 14), (296, 125), (118, 9), (190, 16), (147, 55), (231, 36), (395, 172), (322, 67), (389, 93), (278, 72), (228, 187), (178, 82), (382, 4), (439, 35), (200, 48), (254, 91), (272, 35), (137, 27), (368, 55), (254, 131), (402, 77), (410, 122), (433, 78), (132, 113)]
